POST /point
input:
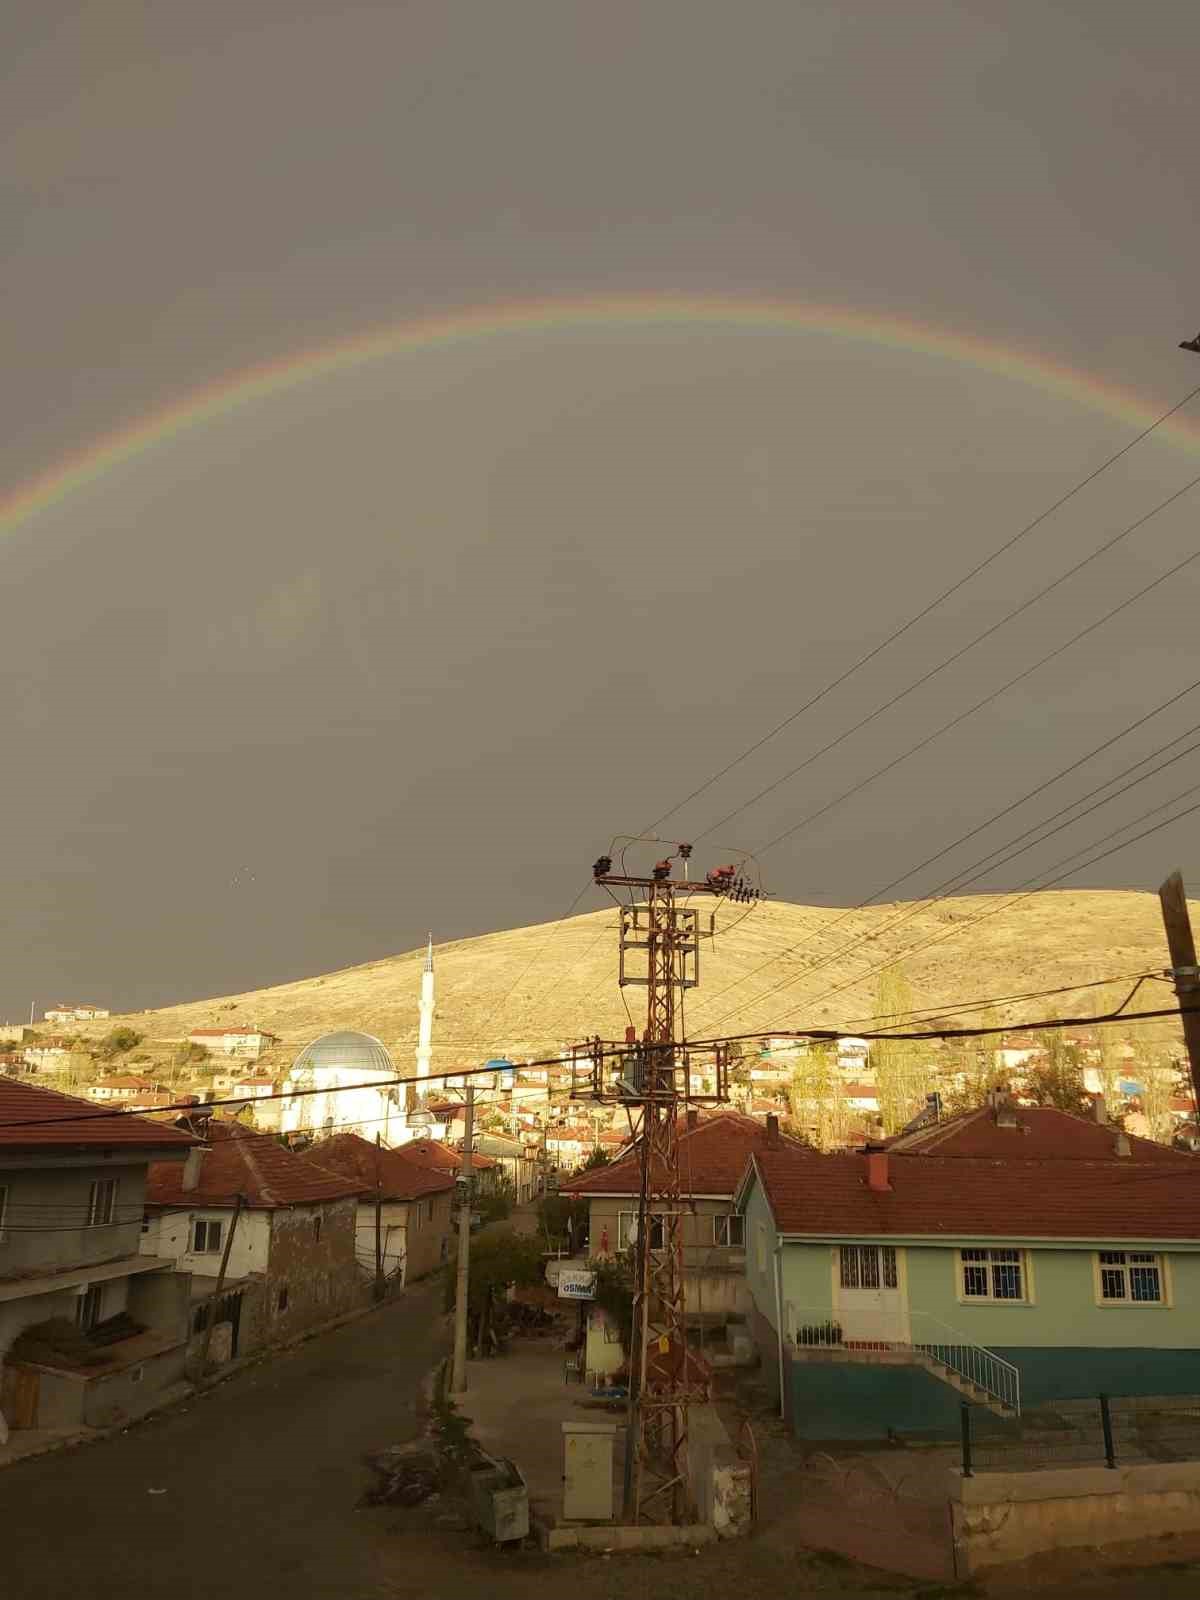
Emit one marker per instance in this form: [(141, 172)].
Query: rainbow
[(74, 473)]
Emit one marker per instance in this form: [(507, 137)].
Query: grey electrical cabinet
[(588, 1471)]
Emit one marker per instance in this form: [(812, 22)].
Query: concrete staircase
[(976, 1393)]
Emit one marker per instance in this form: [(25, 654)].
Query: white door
[(868, 1300)]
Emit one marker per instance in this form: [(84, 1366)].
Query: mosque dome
[(345, 1048)]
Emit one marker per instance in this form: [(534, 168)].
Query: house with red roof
[(713, 1152), (92, 1330), (283, 1225), (414, 1206), (1009, 1257)]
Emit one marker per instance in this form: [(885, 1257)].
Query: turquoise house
[(891, 1284)]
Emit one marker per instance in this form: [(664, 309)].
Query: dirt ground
[(256, 1489)]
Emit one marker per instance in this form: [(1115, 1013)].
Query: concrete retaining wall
[(1001, 1517)]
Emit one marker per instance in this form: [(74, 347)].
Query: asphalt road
[(252, 1492)]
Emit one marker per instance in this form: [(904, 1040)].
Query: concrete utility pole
[(458, 1379), (378, 1219), (1183, 970)]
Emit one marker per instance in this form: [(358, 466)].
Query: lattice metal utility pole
[(653, 1080)]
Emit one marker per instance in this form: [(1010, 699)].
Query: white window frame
[(1130, 1261), (725, 1225), (195, 1248), (102, 1203), (982, 1257)]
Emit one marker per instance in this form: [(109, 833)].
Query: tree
[(1158, 1073), (900, 1073), (497, 1260), (561, 1218), (119, 1041), (815, 1096), (189, 1054), (598, 1158), (1057, 1080), (975, 1068)]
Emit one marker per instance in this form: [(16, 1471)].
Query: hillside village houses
[(123, 1086), (76, 1013), (414, 1205), (292, 1261), (247, 1043), (123, 1309)]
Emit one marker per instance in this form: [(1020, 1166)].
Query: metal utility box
[(500, 1500), (588, 1471)]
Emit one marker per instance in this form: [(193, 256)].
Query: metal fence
[(1109, 1430)]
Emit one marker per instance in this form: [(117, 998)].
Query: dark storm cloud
[(386, 641)]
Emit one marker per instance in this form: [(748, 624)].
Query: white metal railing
[(974, 1362), (821, 1327)]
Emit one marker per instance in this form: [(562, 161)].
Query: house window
[(1130, 1277), (87, 1311), (760, 1246), (102, 1202), (729, 1232), (992, 1274), (3, 1209), (281, 1303), (627, 1230), (206, 1237), (317, 1230), (868, 1266)]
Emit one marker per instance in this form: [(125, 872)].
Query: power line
[(958, 880), (1038, 889), (922, 614), (987, 699), (959, 1007), (896, 634)]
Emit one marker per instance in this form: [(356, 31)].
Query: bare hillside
[(526, 991)]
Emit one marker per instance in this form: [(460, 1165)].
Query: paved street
[(257, 1490)]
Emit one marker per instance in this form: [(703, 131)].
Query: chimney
[(1100, 1109), (693, 1117), (877, 1170), (191, 1167), (1122, 1146), (772, 1129)]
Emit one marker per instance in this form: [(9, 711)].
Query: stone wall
[(313, 1275), (1007, 1517)]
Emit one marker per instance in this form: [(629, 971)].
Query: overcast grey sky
[(377, 655)]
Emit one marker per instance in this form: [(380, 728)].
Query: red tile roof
[(712, 1159), (253, 1165), (31, 1116), (965, 1197), (1040, 1131), (125, 1080), (402, 1178), (433, 1153)]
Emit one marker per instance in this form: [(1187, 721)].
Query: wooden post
[(1182, 945), (212, 1305), (378, 1220)]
